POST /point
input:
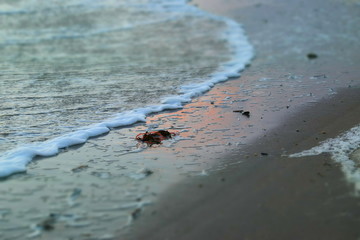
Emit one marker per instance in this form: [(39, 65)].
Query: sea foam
[(15, 160), (340, 149)]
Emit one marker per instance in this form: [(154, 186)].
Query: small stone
[(312, 56), (136, 213), (49, 223), (147, 172)]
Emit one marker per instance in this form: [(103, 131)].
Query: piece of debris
[(146, 172), (312, 56), (246, 113), (49, 223), (264, 154), (79, 168), (136, 213), (318, 76), (155, 137)]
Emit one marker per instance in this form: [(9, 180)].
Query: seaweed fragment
[(155, 137)]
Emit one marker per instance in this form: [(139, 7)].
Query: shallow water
[(71, 70), (72, 63), (76, 69)]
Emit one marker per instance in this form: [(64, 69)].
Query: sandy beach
[(225, 175), (269, 195)]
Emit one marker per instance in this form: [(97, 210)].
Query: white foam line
[(340, 149), (15, 161)]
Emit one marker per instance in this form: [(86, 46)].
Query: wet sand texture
[(268, 195)]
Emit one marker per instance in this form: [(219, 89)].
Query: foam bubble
[(16, 160), (340, 149)]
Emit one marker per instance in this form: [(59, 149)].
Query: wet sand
[(265, 194), (268, 195)]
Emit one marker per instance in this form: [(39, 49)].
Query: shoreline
[(241, 52), (268, 195), (258, 192), (99, 186)]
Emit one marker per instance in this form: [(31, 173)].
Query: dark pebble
[(136, 213), (312, 56), (147, 172)]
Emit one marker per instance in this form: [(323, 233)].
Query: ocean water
[(74, 69)]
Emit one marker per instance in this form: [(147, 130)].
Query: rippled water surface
[(67, 64)]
